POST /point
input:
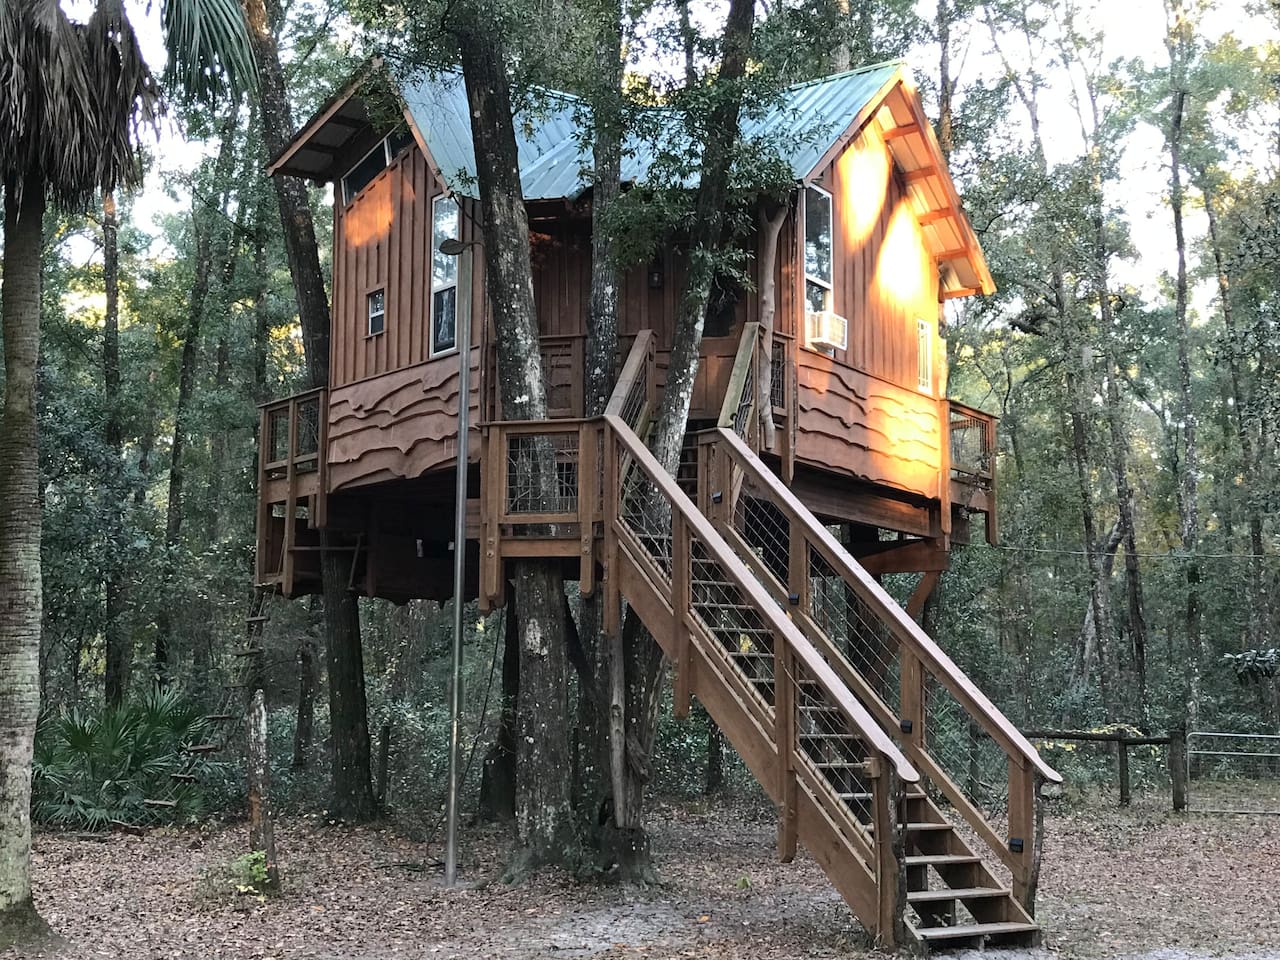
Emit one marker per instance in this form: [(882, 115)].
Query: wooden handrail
[(742, 362), (887, 609), (803, 652), (283, 402), (633, 370)]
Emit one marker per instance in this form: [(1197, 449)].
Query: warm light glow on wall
[(368, 219), (864, 171), (902, 270)]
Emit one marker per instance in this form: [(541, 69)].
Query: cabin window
[(377, 302), (924, 356), (818, 250), (444, 276), (374, 162)]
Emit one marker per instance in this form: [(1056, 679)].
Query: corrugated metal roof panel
[(551, 141)]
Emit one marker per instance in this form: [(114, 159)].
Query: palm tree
[(73, 100)]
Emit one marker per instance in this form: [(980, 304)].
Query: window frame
[(387, 159), (828, 285), (924, 356), (372, 292), (432, 243)]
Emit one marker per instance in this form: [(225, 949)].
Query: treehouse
[(819, 406)]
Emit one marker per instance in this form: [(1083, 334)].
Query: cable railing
[(824, 742), (945, 724)]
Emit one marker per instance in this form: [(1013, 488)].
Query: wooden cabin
[(842, 707), (876, 241)]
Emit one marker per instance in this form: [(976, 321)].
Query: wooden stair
[(844, 729)]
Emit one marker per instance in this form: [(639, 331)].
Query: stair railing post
[(784, 715), (681, 603), (1026, 829), (588, 507), (911, 697), (890, 848)]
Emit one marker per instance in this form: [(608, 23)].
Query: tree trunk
[(351, 782), (115, 638), (946, 84), (1250, 467), (261, 829), (351, 786), (303, 730), (1190, 479), (544, 810), (641, 656), (498, 781), (592, 765), (21, 612)]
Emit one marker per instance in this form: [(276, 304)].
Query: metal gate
[(1233, 772)]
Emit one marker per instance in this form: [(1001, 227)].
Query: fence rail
[(1234, 772)]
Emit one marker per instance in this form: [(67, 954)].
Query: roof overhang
[(332, 131), (897, 115)]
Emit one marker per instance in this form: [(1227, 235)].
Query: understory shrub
[(95, 767)]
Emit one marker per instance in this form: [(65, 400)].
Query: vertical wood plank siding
[(860, 413)]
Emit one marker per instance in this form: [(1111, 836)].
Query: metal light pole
[(462, 322)]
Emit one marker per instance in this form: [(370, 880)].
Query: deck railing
[(292, 475), (973, 445)]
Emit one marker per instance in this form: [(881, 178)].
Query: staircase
[(911, 790)]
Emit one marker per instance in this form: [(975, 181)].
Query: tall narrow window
[(377, 302), (924, 356), (818, 252), (444, 276)]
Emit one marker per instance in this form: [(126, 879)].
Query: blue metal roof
[(552, 137)]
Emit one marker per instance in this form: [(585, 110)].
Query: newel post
[(911, 699), (887, 794), (1026, 830)]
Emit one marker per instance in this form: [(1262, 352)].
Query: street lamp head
[(451, 247)]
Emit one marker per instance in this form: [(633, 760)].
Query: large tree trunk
[(593, 767), (1189, 482), (544, 810), (498, 781), (21, 611), (643, 660), (351, 783), (116, 640)]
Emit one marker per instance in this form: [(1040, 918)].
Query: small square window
[(377, 312)]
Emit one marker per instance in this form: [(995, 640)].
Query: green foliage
[(95, 767), (249, 871)]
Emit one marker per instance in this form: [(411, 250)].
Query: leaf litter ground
[(1137, 883)]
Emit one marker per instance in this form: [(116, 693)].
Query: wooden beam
[(906, 130), (933, 216), (915, 176), (960, 292), (955, 254), (915, 556)]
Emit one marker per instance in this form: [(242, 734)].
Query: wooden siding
[(381, 241), (884, 278), (864, 427), (400, 425)]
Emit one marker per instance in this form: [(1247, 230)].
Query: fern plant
[(94, 767)]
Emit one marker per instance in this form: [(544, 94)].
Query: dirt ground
[(1138, 883)]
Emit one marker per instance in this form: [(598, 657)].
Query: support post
[(890, 847), (1178, 767), (1026, 829), (784, 699), (1122, 769), (911, 700), (681, 601)]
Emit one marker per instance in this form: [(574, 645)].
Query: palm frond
[(210, 53), (127, 94)]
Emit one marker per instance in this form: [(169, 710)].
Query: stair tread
[(941, 859), (955, 893), (973, 930)]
